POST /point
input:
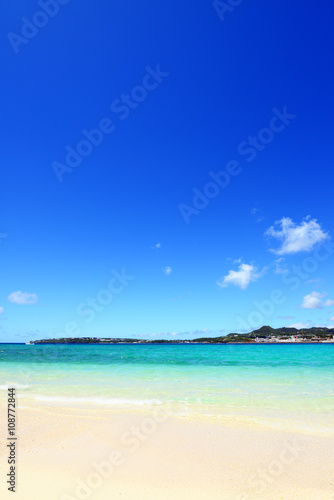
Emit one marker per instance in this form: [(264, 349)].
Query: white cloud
[(331, 319), (296, 238), (157, 245), (22, 298), (299, 325), (241, 278), (279, 266), (237, 261), (167, 270), (185, 335), (329, 303), (312, 301), (2, 310)]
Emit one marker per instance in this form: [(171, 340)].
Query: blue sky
[(167, 169)]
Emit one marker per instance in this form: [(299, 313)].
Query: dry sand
[(67, 454)]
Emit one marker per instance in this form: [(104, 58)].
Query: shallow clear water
[(220, 380)]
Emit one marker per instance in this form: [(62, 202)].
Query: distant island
[(265, 334)]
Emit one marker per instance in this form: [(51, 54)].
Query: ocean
[(284, 385)]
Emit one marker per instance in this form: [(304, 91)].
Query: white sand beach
[(80, 453)]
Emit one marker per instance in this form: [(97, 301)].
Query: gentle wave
[(14, 385), (99, 401)]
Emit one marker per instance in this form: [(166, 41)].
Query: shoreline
[(171, 343), (299, 421)]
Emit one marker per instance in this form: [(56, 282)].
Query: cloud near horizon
[(299, 325), (157, 336), (296, 238), (241, 278), (22, 298)]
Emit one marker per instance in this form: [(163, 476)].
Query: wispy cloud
[(296, 238), (300, 325), (196, 333), (237, 261), (258, 214), (328, 303), (2, 310), (242, 277), (280, 266), (167, 270), (312, 301), (22, 298)]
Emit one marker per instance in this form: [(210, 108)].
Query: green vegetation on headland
[(265, 334)]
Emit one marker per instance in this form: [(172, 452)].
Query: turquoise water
[(247, 381)]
